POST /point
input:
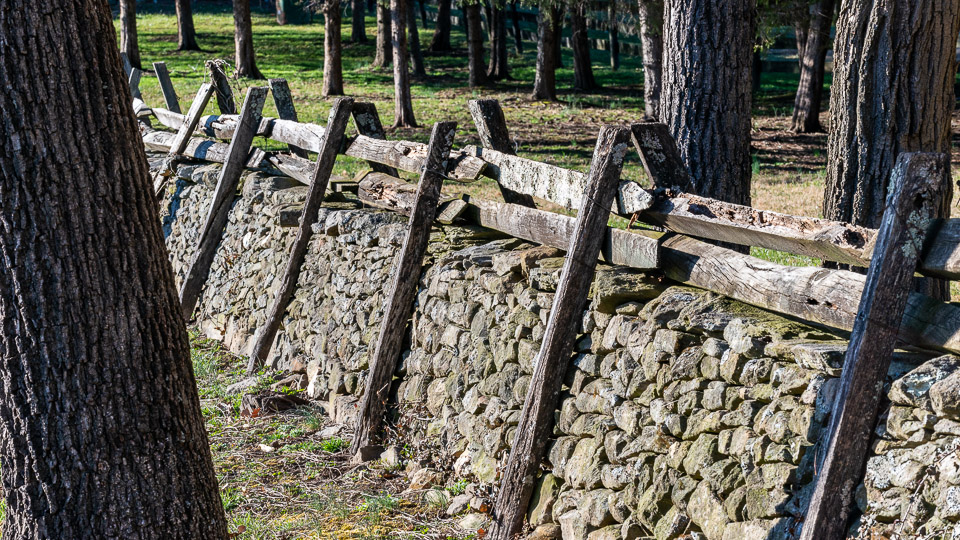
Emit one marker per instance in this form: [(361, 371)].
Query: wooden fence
[(879, 308)]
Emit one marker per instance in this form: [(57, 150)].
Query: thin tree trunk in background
[(706, 92), (441, 32), (246, 60), (423, 14), (899, 101), (186, 35), (499, 69), (403, 101), (478, 76), (806, 105), (332, 50), (128, 32), (558, 40), (384, 54), (101, 433), (281, 13), (613, 32), (545, 79), (358, 32), (651, 40), (583, 79), (517, 32), (756, 67), (416, 55)]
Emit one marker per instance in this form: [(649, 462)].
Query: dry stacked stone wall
[(683, 412)]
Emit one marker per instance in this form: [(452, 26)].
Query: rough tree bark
[(186, 35), (583, 79), (813, 60), (613, 34), (413, 34), (332, 50), (246, 60), (651, 40), (894, 67), (478, 76), (517, 32), (423, 14), (358, 32), (403, 101), (706, 92), (128, 32), (545, 78), (101, 434), (558, 40), (498, 69), (441, 32), (383, 56)]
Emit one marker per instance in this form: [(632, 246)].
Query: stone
[(582, 470), (700, 455), (573, 526), (242, 386), (945, 396), (547, 531), (611, 532), (436, 498), (746, 338), (473, 522), (458, 504), (594, 507), (706, 510), (913, 389), (759, 529), (671, 525), (544, 495), (391, 457)]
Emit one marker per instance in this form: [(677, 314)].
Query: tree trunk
[(613, 33), (885, 104), (384, 55), (582, 69), (358, 33), (281, 13), (558, 40), (332, 49), (706, 92), (545, 79), (806, 105), (128, 32), (756, 67), (441, 32), (423, 14), (101, 434), (416, 55), (186, 35), (403, 102), (651, 40), (800, 28), (246, 61), (478, 76), (517, 33), (498, 69)]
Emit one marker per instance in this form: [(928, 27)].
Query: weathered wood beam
[(166, 86), (125, 63), (660, 155), (911, 206), (222, 200), (367, 120), (225, 100), (404, 281), (333, 136), (492, 127), (207, 150), (286, 110), (134, 81), (536, 418), (182, 137)]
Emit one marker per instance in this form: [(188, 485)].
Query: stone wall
[(683, 412)]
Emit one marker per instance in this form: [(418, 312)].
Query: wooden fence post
[(550, 367), (367, 120), (134, 81), (285, 108), (125, 63), (403, 288), (216, 220), (332, 138), (166, 86), (911, 206), (660, 155), (492, 126), (225, 100), (182, 138)]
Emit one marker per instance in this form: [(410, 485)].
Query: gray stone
[(706, 510), (544, 495), (913, 389), (573, 526), (945, 396)]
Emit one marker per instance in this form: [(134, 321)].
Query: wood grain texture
[(225, 100), (222, 200), (267, 333), (367, 120), (203, 149), (660, 155), (913, 202), (494, 134), (537, 416), (166, 86), (405, 278), (135, 75), (180, 141), (286, 110)]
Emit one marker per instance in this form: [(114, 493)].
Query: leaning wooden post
[(367, 120), (492, 126), (332, 138), (536, 419), (223, 194), (225, 100), (403, 288), (916, 185), (134, 81), (182, 138), (660, 155), (285, 108), (166, 86)]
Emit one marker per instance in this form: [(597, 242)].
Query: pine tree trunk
[(186, 35), (441, 32), (128, 32), (613, 33), (101, 434), (384, 53), (499, 69), (800, 28), (582, 69), (885, 104), (558, 40), (806, 105), (246, 61), (403, 102), (332, 50), (416, 55), (517, 32), (651, 39), (706, 92), (478, 76), (423, 14), (358, 32), (545, 79)]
